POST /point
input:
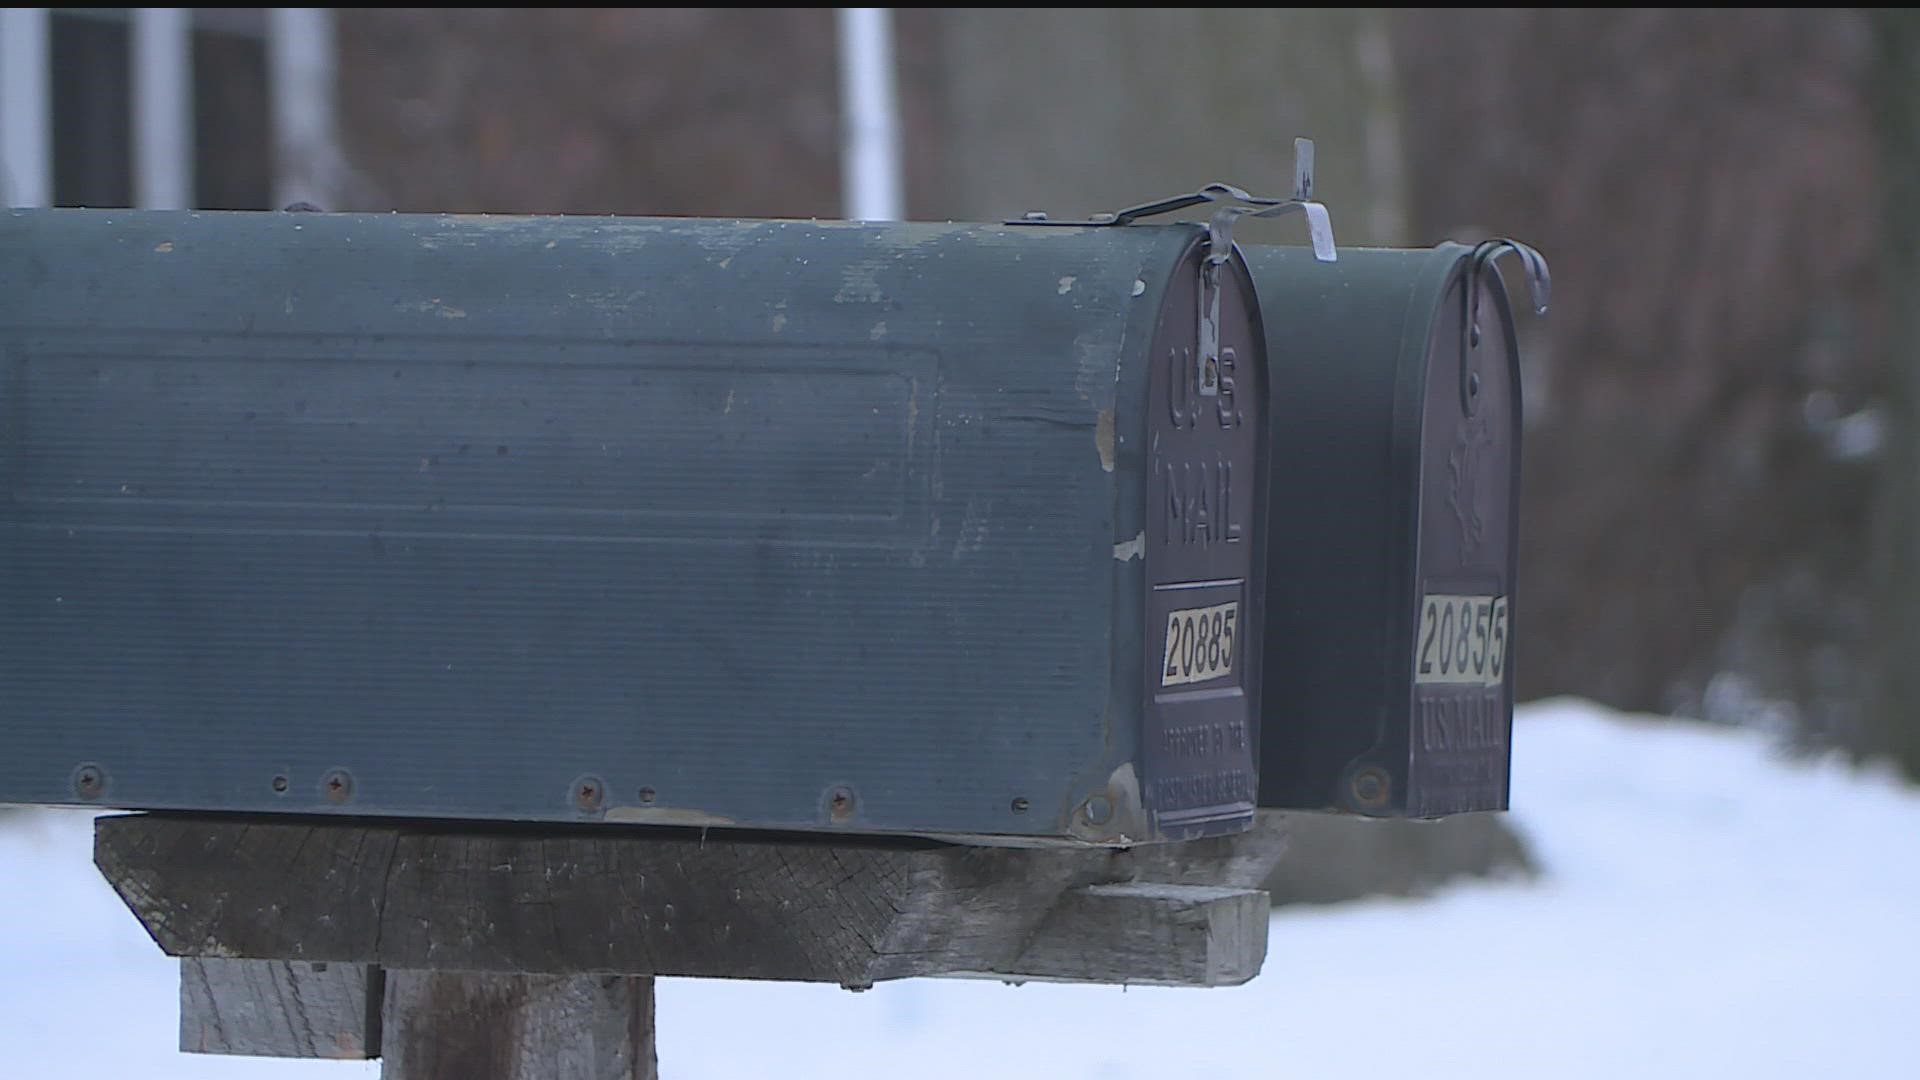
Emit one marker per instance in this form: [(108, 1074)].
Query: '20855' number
[(1463, 639)]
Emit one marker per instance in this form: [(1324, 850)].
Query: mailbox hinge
[(1220, 242)]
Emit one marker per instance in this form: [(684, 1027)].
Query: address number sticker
[(1200, 644), (1462, 640)]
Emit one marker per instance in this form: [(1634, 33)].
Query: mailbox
[(899, 528), (1393, 528)]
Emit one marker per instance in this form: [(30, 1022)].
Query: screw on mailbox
[(338, 786), (840, 803), (588, 792), (89, 781)]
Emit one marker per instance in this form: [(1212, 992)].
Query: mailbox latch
[(1220, 242)]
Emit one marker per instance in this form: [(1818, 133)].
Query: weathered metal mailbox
[(1393, 528), (929, 529)]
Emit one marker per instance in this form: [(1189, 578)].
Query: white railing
[(870, 172), (300, 71), (26, 100)]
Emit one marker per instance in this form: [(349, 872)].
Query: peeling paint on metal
[(1139, 287), (1066, 284), (1103, 438), (436, 307), (1129, 818), (1130, 550), (878, 332), (860, 283), (973, 529), (164, 248), (664, 815), (1095, 358)]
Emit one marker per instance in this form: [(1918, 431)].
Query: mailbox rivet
[(89, 781), (840, 803), (1020, 805), (337, 785), (280, 783), (587, 792), (1370, 787), (1098, 810), (647, 795)]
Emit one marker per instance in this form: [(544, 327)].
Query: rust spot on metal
[(589, 792), (89, 781), (337, 786), (1371, 786)]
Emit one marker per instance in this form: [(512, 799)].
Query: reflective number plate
[(1200, 644), (1463, 639)]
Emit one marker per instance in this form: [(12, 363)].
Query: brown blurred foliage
[(592, 110), (1704, 183)]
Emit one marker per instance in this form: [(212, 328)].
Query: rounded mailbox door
[(1205, 556), (1463, 645)]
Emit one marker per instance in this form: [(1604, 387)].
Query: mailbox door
[(1204, 558), (1469, 471)]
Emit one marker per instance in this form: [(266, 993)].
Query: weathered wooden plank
[(458, 1026), (630, 903), (1147, 933), (277, 1008)]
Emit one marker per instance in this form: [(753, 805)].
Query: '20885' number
[(1200, 644), (1462, 639)]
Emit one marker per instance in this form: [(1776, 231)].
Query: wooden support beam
[(639, 902), (453, 1026), (279, 1008), (1147, 933), (497, 955)]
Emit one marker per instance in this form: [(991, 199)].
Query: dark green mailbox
[(1393, 528), (926, 529)]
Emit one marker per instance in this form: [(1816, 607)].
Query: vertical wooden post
[(461, 1026)]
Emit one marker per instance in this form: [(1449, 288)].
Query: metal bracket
[(1479, 261), (1220, 242)]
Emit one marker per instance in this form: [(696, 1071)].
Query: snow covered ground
[(1709, 909)]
